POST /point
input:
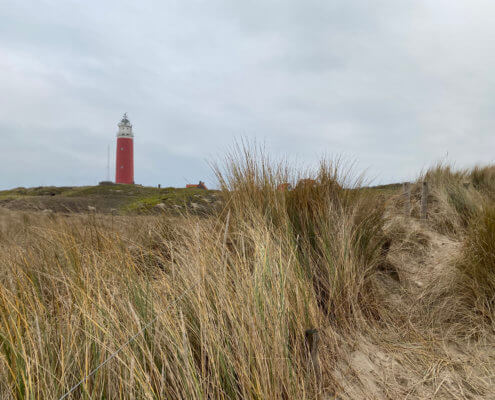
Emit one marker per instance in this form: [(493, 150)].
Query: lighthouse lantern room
[(124, 168)]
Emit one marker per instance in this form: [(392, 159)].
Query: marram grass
[(232, 294)]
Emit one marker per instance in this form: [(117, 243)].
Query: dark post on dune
[(407, 198), (312, 339), (424, 200)]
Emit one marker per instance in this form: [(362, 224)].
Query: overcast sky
[(395, 85)]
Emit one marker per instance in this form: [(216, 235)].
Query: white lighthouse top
[(125, 128)]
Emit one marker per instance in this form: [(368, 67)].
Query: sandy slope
[(414, 355)]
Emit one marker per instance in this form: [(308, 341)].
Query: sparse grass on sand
[(404, 308)]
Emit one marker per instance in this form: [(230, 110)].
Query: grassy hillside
[(225, 302), (123, 199)]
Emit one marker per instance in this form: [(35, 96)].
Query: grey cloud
[(395, 85)]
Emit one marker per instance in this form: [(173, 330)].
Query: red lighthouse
[(124, 168)]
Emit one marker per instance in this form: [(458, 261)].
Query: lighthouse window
[(121, 167), (121, 149)]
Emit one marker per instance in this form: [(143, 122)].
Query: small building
[(200, 185)]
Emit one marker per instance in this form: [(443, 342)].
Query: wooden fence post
[(407, 198), (224, 244), (225, 233), (424, 200), (312, 339)]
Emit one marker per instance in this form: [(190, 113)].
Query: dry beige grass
[(233, 295)]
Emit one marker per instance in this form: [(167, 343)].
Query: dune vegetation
[(109, 199), (220, 306)]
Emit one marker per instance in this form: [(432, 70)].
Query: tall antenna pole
[(108, 163)]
